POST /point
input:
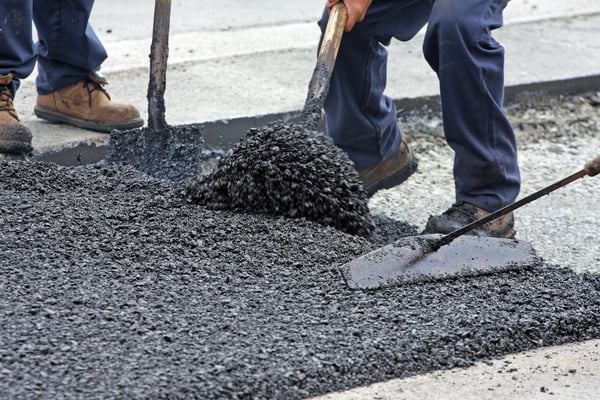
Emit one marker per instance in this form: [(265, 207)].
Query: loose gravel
[(288, 170), (114, 285)]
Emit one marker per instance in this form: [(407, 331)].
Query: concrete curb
[(224, 133)]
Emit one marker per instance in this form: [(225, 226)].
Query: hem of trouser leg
[(380, 158), (57, 88), (480, 202), (74, 78)]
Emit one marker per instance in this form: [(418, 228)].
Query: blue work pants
[(469, 63), (68, 49)]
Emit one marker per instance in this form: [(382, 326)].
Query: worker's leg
[(17, 52), (470, 65), (68, 48), (360, 119), (69, 55), (17, 60)]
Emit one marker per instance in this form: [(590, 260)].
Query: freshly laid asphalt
[(114, 286)]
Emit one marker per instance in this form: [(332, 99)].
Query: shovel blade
[(409, 260)]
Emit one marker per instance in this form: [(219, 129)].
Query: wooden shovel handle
[(318, 88), (332, 37)]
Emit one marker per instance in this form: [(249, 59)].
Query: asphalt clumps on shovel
[(291, 171), (113, 285)]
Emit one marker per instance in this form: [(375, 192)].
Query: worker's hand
[(357, 9)]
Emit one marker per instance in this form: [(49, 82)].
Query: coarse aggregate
[(288, 170), (114, 285), (292, 170)]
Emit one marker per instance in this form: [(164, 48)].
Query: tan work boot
[(463, 213), (87, 105), (14, 137), (391, 172)]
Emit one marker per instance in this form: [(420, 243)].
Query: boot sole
[(396, 178), (58, 118)]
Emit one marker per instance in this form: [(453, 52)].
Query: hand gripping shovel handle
[(591, 168)]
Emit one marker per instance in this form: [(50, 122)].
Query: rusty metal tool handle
[(159, 52), (591, 168), (318, 88)]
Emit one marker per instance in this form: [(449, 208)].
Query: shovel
[(174, 153), (426, 258)]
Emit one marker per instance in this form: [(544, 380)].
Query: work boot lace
[(6, 101), (91, 87)]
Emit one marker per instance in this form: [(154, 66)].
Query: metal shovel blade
[(410, 260)]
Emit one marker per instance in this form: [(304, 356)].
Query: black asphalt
[(288, 170), (114, 285)]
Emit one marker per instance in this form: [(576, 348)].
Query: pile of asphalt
[(289, 170), (113, 285)]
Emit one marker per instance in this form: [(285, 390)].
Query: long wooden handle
[(332, 37), (318, 88), (159, 52)]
